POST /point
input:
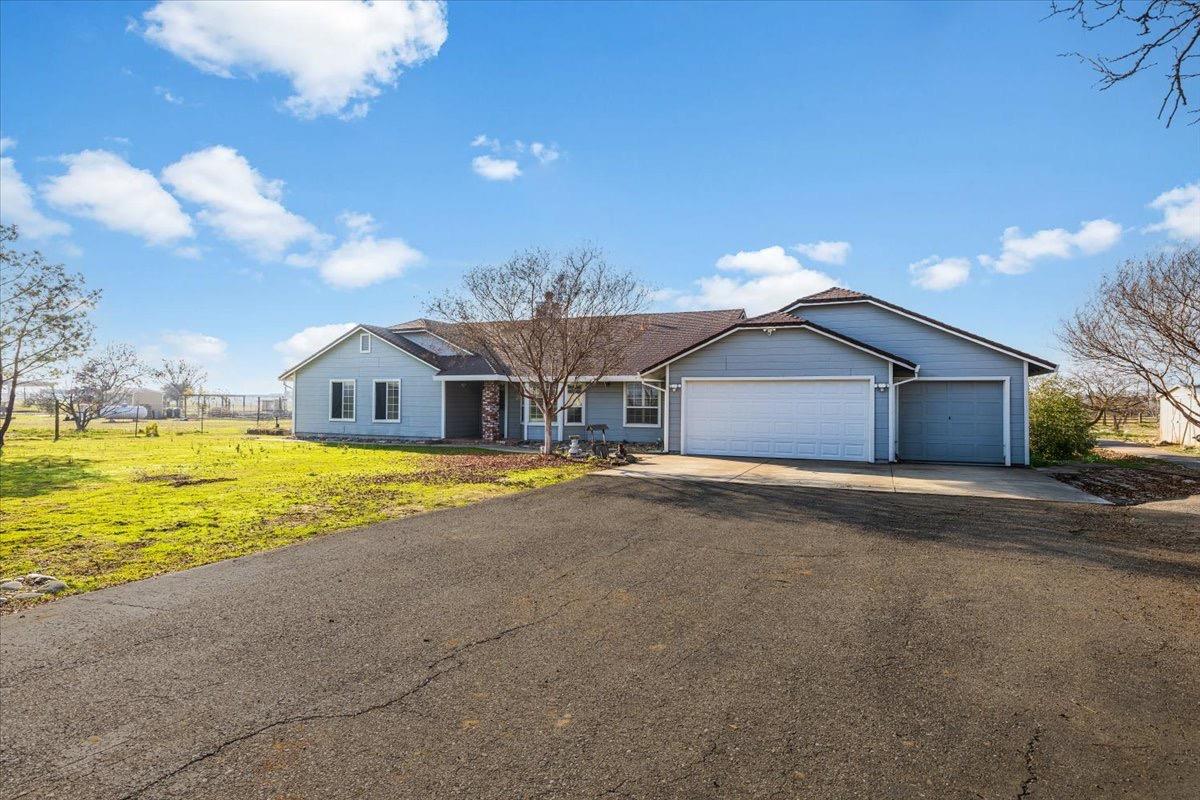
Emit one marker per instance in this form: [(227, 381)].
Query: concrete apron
[(944, 479)]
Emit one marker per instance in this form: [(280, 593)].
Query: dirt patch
[(472, 468), (1130, 481), (178, 479)]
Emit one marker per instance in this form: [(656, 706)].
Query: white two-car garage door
[(790, 418)]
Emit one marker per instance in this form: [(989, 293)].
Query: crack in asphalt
[(456, 662), (1030, 768)]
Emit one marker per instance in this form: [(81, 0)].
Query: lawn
[(104, 507)]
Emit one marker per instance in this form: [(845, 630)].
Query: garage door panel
[(779, 419), (952, 421)]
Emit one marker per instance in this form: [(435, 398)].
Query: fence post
[(56, 410)]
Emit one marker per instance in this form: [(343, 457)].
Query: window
[(364, 343), (576, 402), (642, 405), (341, 400), (387, 401), (533, 414)]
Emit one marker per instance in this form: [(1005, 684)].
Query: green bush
[(1059, 425)]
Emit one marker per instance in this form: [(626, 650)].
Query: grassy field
[(103, 507), (1131, 431)]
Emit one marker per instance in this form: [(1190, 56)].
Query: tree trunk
[(547, 433)]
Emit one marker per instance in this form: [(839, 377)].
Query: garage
[(779, 418), (954, 420)]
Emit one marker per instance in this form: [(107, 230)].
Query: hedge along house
[(837, 375)]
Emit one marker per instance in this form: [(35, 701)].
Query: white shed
[(1172, 426)]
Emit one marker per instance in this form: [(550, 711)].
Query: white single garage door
[(829, 419)]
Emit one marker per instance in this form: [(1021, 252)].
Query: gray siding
[(464, 403), (420, 395), (604, 404), (940, 354), (799, 353)]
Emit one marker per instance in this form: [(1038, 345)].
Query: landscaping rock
[(51, 586), (26, 596), (11, 586), (37, 579)]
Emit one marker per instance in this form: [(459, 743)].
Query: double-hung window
[(387, 401), (642, 405), (341, 400), (576, 403), (533, 414), (364, 343)]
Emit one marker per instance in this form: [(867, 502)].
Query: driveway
[(943, 479), (636, 638), (1139, 450)]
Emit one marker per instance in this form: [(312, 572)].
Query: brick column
[(490, 411)]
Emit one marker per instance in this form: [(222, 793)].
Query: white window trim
[(353, 406), (525, 413), (582, 410), (399, 400), (870, 380), (625, 407), (364, 339)]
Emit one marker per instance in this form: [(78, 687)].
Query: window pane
[(347, 400), (335, 400), (575, 415), (393, 399), (381, 400)]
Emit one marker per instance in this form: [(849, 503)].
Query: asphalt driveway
[(636, 638)]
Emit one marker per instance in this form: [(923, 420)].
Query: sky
[(244, 182)]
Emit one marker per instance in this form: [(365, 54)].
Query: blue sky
[(212, 169)]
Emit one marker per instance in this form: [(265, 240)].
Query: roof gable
[(839, 296)]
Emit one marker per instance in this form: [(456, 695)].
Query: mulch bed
[(472, 468), (1131, 485)]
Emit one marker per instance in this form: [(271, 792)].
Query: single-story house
[(1173, 426), (835, 375)]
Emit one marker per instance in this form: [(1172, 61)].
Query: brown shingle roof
[(656, 336), (830, 295)]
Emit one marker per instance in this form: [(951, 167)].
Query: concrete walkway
[(943, 479), (1139, 450)]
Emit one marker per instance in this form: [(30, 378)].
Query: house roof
[(655, 336), (779, 319), (839, 295)]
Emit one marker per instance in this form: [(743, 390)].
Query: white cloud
[(776, 279), (1018, 253), (825, 252), (336, 54), (190, 251), (239, 203), (1180, 208), (483, 140), (165, 94), (768, 261), (939, 274), (367, 260), (495, 169), (302, 344), (103, 186), (17, 203), (544, 153), (195, 346), (359, 224)]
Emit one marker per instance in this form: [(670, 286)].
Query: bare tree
[(1144, 323), (180, 379), (552, 323), (1107, 393), (43, 319), (100, 384), (1167, 29)]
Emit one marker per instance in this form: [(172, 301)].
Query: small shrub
[(1059, 425), (152, 429)]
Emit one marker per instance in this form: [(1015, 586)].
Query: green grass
[(102, 507), (1131, 431)]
